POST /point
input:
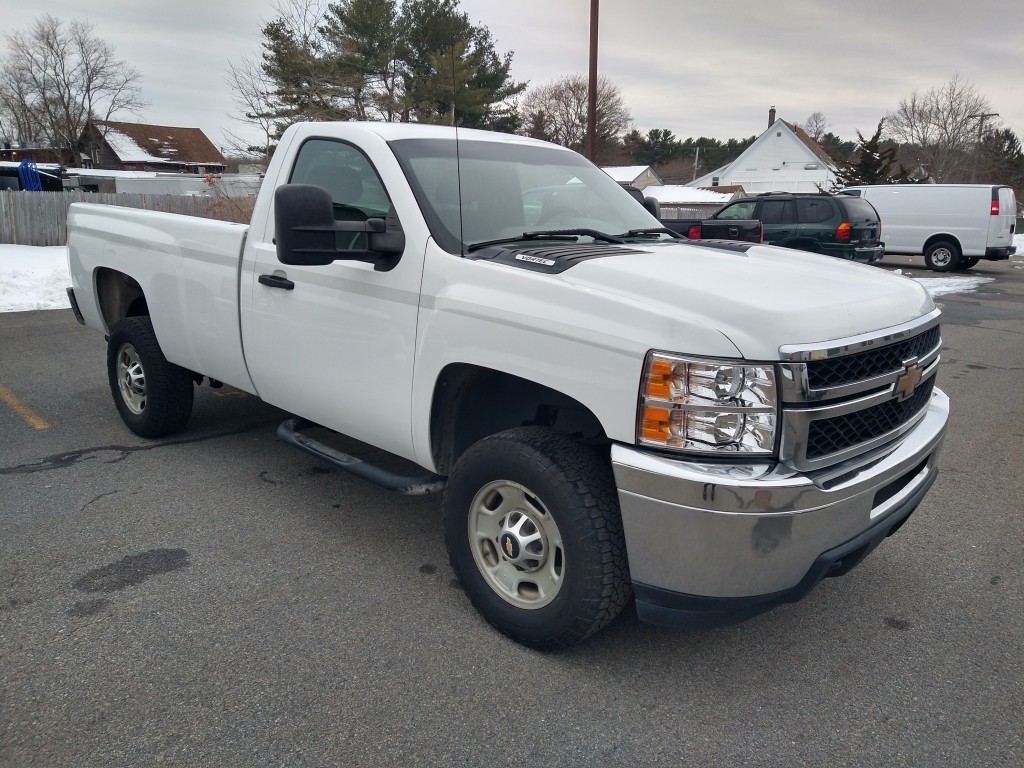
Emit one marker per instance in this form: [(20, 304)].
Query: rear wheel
[(942, 256), (968, 262), (153, 396), (532, 525)]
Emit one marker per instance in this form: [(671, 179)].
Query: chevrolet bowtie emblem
[(508, 546), (908, 381)]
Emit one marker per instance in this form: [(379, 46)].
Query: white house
[(639, 176), (782, 159)]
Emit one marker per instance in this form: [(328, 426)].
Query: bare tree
[(69, 76), (816, 125), (253, 93), (940, 129), (558, 112), (20, 121)]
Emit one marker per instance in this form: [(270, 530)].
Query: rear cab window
[(859, 210)]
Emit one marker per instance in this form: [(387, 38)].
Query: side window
[(778, 212), (812, 210), (343, 170), (741, 210)]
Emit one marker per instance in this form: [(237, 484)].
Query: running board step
[(290, 432)]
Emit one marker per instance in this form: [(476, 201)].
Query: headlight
[(708, 406)]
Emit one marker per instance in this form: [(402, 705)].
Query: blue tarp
[(28, 174)]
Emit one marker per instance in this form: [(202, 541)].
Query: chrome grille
[(874, 362), (843, 398)]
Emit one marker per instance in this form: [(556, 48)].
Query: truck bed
[(188, 269)]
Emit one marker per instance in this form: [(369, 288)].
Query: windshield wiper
[(551, 234), (651, 231)]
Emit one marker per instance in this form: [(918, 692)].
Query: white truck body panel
[(188, 269)]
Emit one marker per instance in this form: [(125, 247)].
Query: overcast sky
[(697, 68)]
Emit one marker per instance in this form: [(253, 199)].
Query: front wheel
[(942, 256), (153, 396), (532, 525)]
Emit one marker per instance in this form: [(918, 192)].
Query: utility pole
[(591, 143), (696, 162), (977, 147)]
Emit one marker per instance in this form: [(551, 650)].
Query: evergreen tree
[(875, 163), (1001, 160), (836, 148), (659, 146), (391, 60), (439, 43), (304, 83), (363, 37)]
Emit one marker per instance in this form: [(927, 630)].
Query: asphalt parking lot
[(220, 599)]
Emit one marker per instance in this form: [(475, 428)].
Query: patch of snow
[(678, 193), (939, 286), (33, 278), (126, 148)]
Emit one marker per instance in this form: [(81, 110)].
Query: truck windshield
[(499, 190)]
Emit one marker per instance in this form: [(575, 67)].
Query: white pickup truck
[(612, 412)]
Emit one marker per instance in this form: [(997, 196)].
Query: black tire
[(966, 262), (153, 396), (942, 256), (548, 503)]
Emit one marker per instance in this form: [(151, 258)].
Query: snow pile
[(33, 278)]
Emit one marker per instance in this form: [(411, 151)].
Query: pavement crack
[(95, 499), (111, 454)]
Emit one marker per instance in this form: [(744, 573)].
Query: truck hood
[(760, 297)]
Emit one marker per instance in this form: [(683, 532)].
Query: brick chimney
[(771, 116)]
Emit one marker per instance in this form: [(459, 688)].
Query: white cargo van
[(953, 225)]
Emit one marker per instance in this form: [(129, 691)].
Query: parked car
[(953, 225), (836, 225), (748, 231)]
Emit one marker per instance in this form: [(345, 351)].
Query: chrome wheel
[(131, 379), (516, 544), (941, 257)]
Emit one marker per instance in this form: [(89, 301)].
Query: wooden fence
[(40, 218)]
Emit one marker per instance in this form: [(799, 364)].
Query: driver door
[(335, 344)]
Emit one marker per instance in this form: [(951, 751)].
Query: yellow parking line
[(21, 409)]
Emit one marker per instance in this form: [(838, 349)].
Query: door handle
[(276, 281)]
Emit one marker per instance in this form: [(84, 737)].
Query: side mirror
[(306, 231), (304, 225), (653, 207)]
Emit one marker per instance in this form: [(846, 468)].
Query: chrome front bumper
[(714, 543)]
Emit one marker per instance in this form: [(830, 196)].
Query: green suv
[(836, 225)]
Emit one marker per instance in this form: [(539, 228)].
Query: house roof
[(626, 173), (806, 143), (678, 193), (141, 143), (811, 144)]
